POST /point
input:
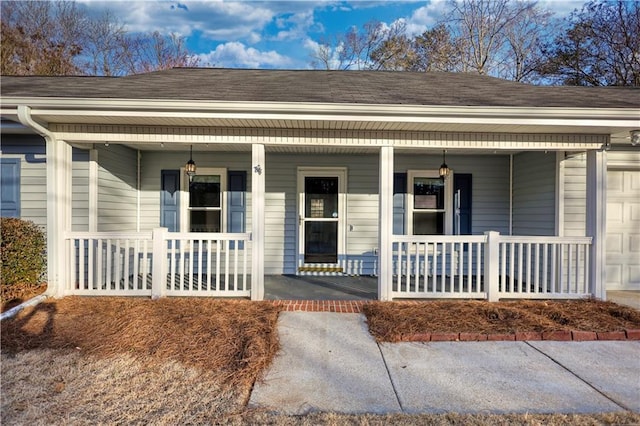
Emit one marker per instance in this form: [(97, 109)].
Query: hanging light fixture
[(444, 169), (190, 167)]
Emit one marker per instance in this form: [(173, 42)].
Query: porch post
[(491, 266), (385, 237), (257, 221), (58, 214), (159, 263), (596, 221)]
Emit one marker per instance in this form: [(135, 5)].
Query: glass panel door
[(320, 219)]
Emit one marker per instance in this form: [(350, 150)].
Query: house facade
[(324, 173)]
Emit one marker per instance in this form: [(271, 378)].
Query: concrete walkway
[(330, 362)]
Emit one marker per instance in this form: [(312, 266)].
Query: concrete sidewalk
[(330, 362)]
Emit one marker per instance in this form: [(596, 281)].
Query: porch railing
[(490, 266), (158, 264), (544, 267), (438, 266)]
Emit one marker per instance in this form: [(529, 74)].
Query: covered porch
[(492, 258), (332, 190)]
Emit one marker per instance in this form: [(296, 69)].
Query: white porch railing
[(158, 264), (490, 266), (438, 266), (487, 266), (544, 267)]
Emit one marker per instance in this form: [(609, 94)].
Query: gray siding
[(117, 192), (534, 175), (31, 149), (152, 163), (490, 204), (575, 188), (490, 185), (575, 194), (281, 211)]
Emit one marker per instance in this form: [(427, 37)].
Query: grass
[(194, 361)]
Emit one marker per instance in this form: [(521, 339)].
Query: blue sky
[(272, 34)]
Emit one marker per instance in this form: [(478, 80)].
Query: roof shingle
[(312, 86)]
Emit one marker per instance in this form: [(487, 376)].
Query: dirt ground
[(194, 361)]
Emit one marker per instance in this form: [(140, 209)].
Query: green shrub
[(22, 254)]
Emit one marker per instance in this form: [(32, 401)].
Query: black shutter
[(462, 183), (237, 202), (399, 202), (10, 183), (170, 200)]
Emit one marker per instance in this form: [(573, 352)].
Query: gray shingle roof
[(354, 87)]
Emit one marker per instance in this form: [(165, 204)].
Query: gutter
[(24, 116), (263, 109), (53, 228)]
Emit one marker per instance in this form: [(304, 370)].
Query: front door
[(321, 219)]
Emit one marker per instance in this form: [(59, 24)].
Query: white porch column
[(491, 265), (596, 221), (59, 167), (159, 263), (257, 221), (59, 194), (385, 203)]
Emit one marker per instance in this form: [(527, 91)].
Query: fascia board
[(99, 107)]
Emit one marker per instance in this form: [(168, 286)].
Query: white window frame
[(185, 216), (448, 199)]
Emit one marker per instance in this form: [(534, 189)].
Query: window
[(429, 204), (205, 201)]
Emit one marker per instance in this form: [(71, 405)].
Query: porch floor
[(314, 287)]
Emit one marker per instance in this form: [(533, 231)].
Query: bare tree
[(155, 51), (436, 50), (41, 38), (482, 27), (324, 56), (600, 47), (105, 46), (359, 48), (57, 38), (396, 51), (525, 37)]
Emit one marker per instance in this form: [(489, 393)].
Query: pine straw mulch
[(390, 321), (235, 338), (14, 295)]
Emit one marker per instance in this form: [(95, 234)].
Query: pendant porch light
[(444, 169), (190, 167)]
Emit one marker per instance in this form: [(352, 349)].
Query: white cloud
[(236, 54), (425, 17), (296, 26), (215, 19), (254, 38)]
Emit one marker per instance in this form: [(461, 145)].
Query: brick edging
[(563, 335), (355, 307)]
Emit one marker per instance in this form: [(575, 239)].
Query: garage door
[(623, 230)]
